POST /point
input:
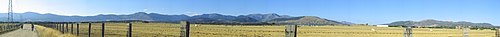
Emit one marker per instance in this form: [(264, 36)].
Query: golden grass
[(172, 30), (49, 32), (366, 31)]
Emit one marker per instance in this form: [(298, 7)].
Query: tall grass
[(49, 32)]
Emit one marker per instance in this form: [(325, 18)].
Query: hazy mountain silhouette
[(266, 17), (437, 23), (204, 18), (305, 20)]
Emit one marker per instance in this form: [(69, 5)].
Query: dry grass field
[(197, 30), (49, 32), (369, 31)]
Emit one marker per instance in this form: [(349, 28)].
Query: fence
[(185, 30), (6, 27)]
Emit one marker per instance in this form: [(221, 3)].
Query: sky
[(356, 11)]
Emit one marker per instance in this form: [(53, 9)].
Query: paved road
[(24, 32)]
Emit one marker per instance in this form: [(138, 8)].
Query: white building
[(382, 25)]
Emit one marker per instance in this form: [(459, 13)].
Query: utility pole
[(10, 12)]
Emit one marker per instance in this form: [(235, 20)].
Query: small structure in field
[(431, 30), (373, 30), (382, 25)]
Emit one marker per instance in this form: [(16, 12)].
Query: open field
[(366, 31), (197, 30)]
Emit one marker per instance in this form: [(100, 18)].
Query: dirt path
[(24, 32)]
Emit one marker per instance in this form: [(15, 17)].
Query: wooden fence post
[(465, 31), (129, 33), (72, 29), (56, 26), (497, 34), (408, 31), (1, 27), (90, 28), (77, 29), (68, 28), (184, 29), (291, 31), (63, 28), (103, 28)]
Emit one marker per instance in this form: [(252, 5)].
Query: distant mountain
[(204, 18), (345, 22), (437, 23), (305, 20), (219, 18), (266, 17)]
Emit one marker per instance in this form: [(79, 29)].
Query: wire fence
[(185, 29), (6, 27)]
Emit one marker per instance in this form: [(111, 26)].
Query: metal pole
[(184, 29), (291, 31)]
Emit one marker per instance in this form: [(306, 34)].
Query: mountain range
[(437, 23), (215, 18), (204, 18)]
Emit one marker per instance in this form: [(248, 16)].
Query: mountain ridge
[(203, 18), (438, 23)]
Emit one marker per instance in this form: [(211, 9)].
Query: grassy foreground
[(49, 32), (198, 30)]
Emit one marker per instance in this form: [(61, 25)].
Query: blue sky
[(357, 11)]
